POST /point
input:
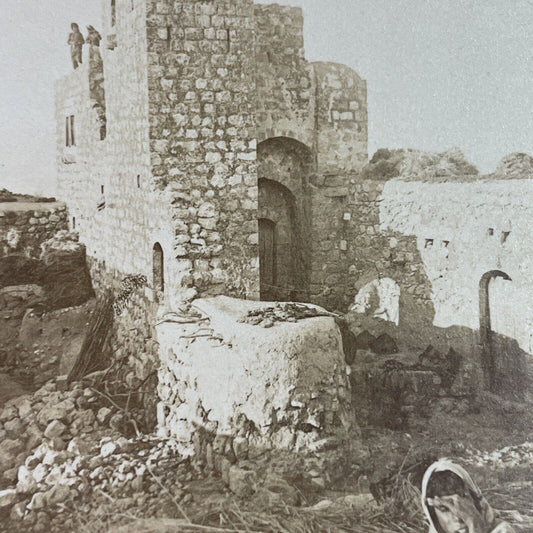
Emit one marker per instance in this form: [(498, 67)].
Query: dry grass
[(401, 515)]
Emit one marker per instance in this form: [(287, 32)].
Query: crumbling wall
[(464, 230), (437, 236), (282, 386), (25, 226), (132, 347)]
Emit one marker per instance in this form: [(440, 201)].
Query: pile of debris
[(266, 317)]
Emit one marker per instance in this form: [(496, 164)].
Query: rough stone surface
[(200, 102), (225, 377), (25, 225), (54, 429)]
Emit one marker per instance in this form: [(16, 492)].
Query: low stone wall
[(228, 386), (25, 225)]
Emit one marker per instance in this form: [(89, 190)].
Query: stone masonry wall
[(133, 348), (178, 165), (341, 152), (25, 226), (464, 230), (108, 184), (284, 80), (436, 240), (202, 139), (376, 253)]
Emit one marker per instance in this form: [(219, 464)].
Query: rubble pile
[(266, 317), (509, 456), (58, 446)]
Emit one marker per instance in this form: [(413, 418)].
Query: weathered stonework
[(284, 386), (192, 91), (438, 236), (25, 226), (217, 132)]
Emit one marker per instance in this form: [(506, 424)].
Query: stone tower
[(228, 162)]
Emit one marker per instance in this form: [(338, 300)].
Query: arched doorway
[(158, 271), (502, 357), (284, 167), (278, 242)]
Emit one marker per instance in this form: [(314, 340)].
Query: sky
[(440, 73)]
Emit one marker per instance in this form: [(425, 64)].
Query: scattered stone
[(57, 494), (8, 413), (55, 429), (8, 498), (78, 446), (26, 484), (359, 501), (242, 482), (24, 407), (104, 414), (14, 428), (384, 345), (18, 511), (38, 501), (322, 505), (40, 472), (107, 449)]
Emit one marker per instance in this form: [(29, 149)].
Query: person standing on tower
[(76, 41)]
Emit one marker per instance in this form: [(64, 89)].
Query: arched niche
[(158, 270)]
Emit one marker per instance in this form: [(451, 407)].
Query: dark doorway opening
[(502, 357), (267, 258), (158, 266)]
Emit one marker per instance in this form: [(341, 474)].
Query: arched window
[(158, 269)]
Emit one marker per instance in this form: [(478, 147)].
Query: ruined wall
[(464, 230), (25, 226), (379, 253), (133, 347), (436, 239), (202, 139), (341, 119)]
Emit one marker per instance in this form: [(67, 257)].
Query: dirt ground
[(367, 483)]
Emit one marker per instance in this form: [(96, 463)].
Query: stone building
[(203, 150)]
